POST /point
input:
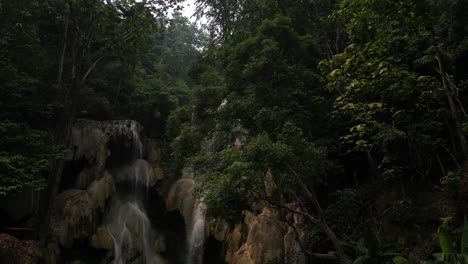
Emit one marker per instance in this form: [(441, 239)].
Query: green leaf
[(445, 241)]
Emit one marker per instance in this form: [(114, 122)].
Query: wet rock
[(265, 240), (153, 152), (258, 239), (293, 252), (76, 212), (102, 239), (100, 191), (219, 229), (234, 242), (139, 171), (92, 143), (180, 196), (52, 253), (160, 244), (15, 251), (73, 217), (159, 173)]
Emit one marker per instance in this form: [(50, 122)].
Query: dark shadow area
[(121, 151), (71, 171), (173, 226), (80, 251), (214, 251)]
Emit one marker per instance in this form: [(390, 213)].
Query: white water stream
[(128, 223), (196, 236)]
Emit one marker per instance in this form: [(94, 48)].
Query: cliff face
[(262, 237), (103, 152)]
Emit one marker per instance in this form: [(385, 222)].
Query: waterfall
[(181, 197), (137, 146), (196, 235), (128, 223), (131, 229)]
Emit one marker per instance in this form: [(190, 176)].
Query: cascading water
[(181, 197), (131, 230), (196, 236), (127, 222)]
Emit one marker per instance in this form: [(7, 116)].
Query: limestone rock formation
[(102, 239), (180, 196), (261, 238), (75, 211), (92, 143), (107, 182)]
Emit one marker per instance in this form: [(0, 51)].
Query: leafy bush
[(25, 156)]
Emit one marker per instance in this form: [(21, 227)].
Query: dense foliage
[(348, 112), (353, 109), (62, 60)]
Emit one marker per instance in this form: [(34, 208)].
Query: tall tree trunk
[(446, 89), (312, 197), (62, 132)]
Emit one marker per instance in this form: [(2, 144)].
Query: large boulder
[(102, 239), (265, 240), (181, 198), (259, 239), (76, 212), (15, 251)]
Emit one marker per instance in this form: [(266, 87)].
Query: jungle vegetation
[(354, 111)]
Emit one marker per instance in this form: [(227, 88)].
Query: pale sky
[(189, 9)]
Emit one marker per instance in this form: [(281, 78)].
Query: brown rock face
[(75, 211), (263, 238), (259, 239), (91, 142), (102, 239), (180, 196), (15, 251)]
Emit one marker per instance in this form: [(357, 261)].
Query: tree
[(26, 111), (385, 90), (24, 157), (272, 96), (92, 32)]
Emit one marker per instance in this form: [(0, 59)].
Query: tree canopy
[(350, 113)]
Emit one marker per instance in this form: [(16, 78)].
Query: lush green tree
[(25, 157), (162, 82), (25, 107), (272, 100), (388, 99), (391, 91)]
